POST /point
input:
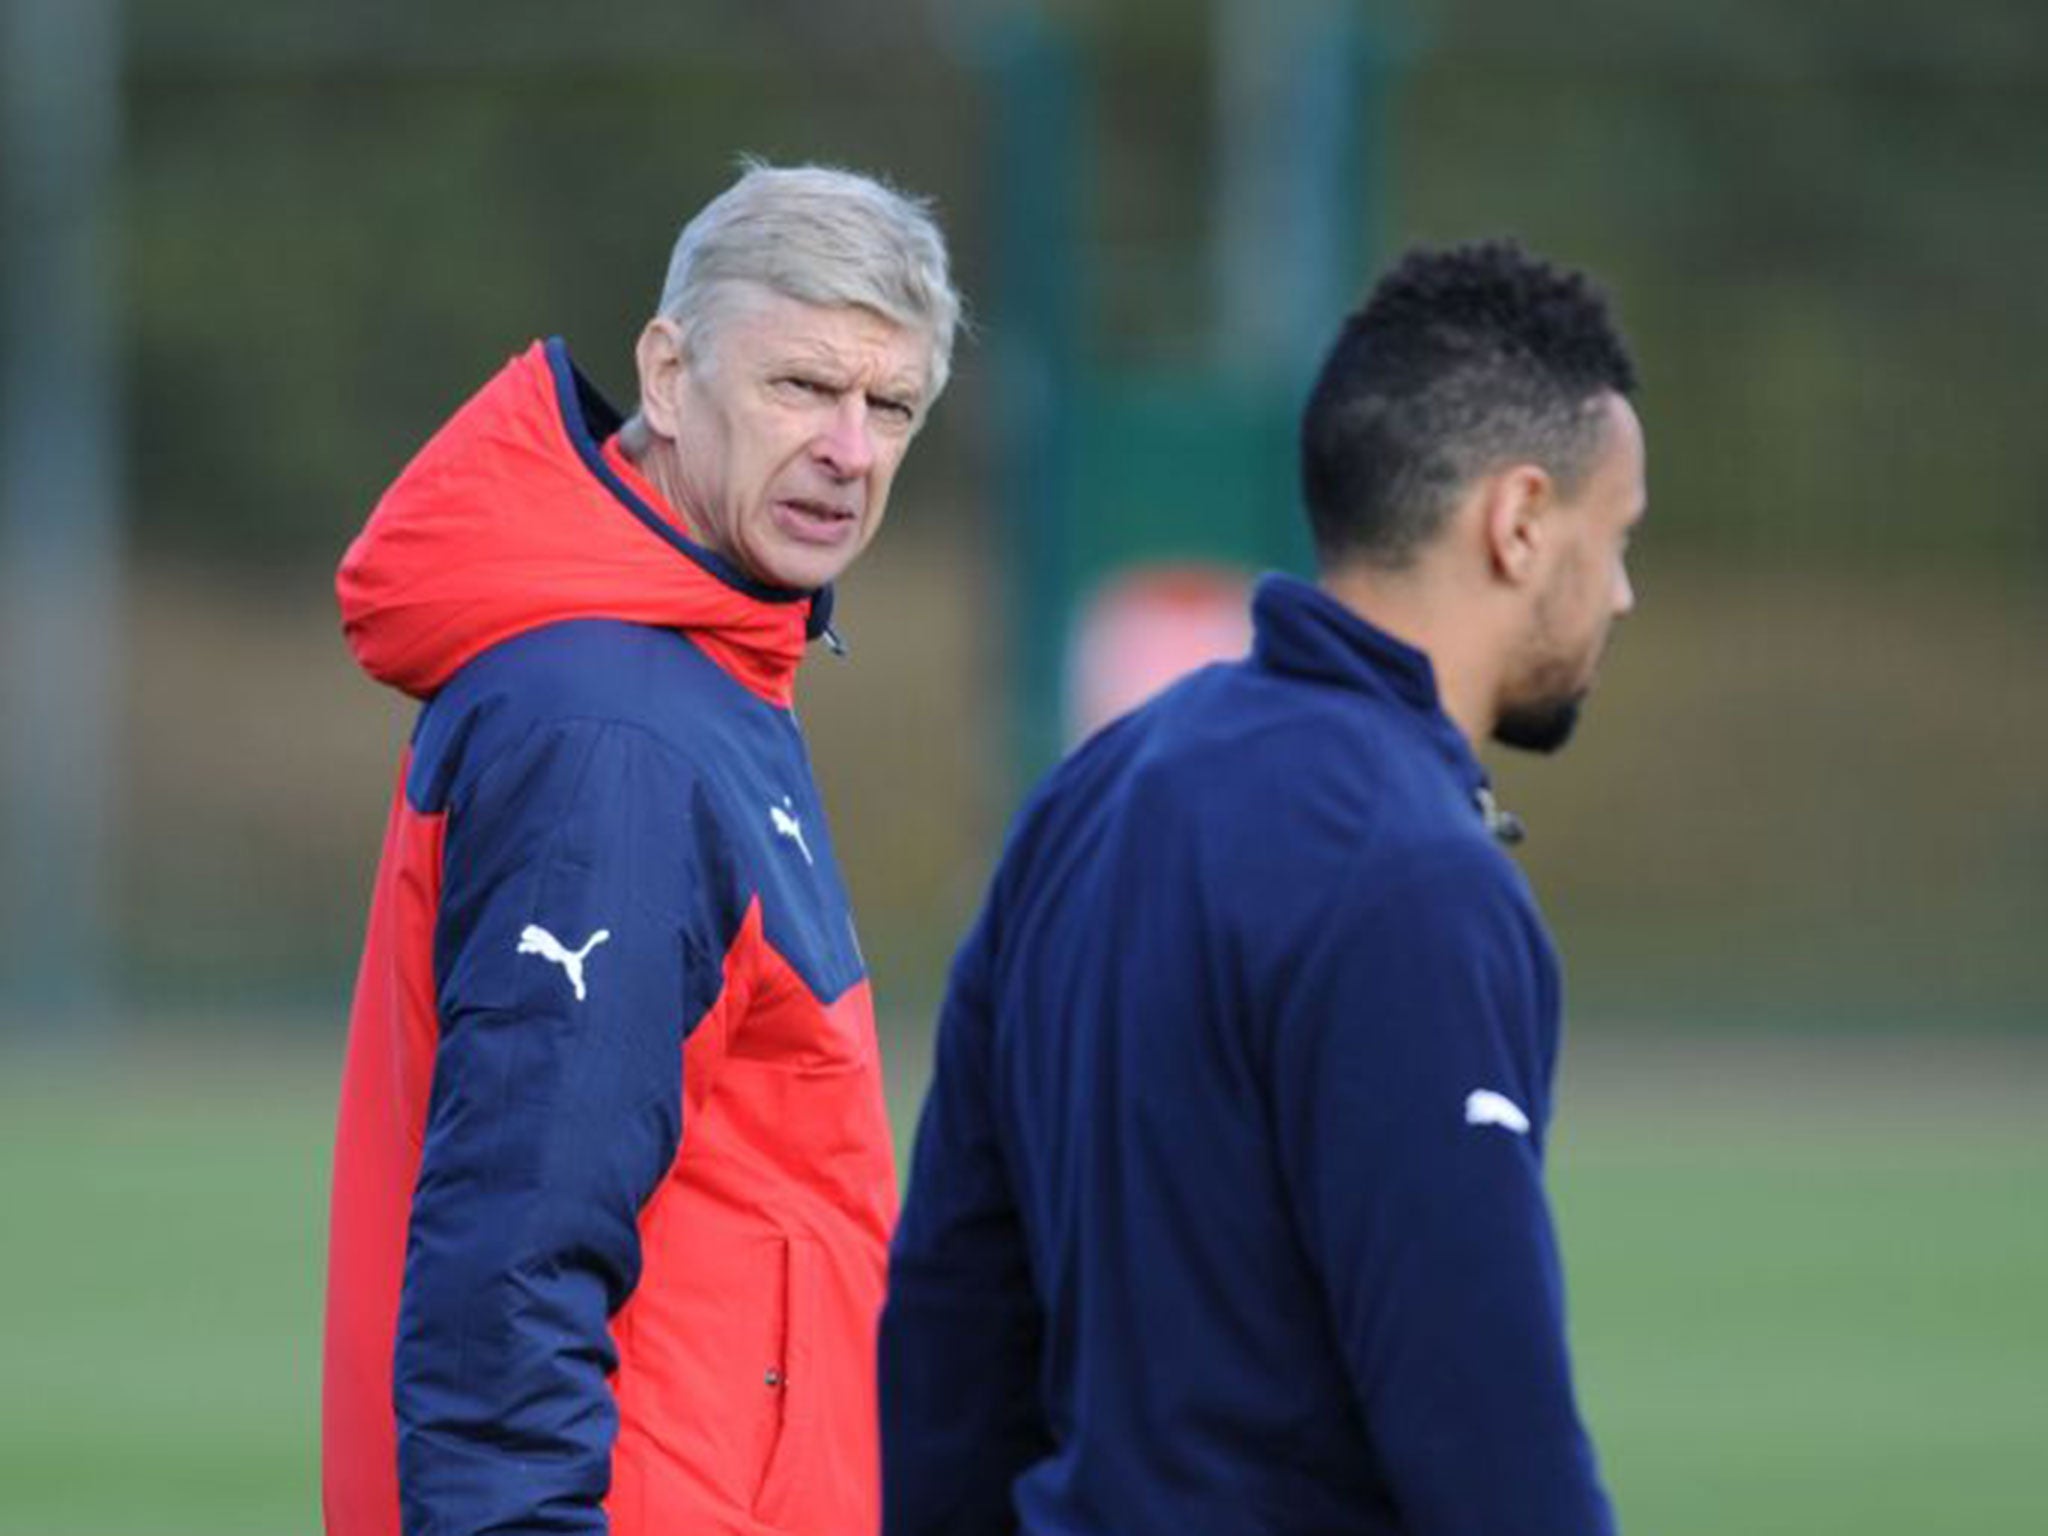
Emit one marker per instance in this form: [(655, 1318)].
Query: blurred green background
[(1797, 859)]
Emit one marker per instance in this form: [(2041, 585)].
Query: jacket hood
[(521, 512)]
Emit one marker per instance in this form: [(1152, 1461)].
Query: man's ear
[(663, 366), (1513, 508)]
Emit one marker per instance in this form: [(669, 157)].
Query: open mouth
[(823, 511), (816, 519)]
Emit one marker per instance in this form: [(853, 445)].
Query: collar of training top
[(1300, 630)]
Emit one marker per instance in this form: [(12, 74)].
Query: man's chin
[(800, 570), (1541, 727), (803, 565)]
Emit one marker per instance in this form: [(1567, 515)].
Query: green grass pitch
[(1809, 1286)]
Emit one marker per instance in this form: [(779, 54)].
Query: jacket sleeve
[(572, 954), (1412, 1075), (960, 1338)]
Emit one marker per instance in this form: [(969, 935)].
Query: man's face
[(1586, 588), (778, 447)]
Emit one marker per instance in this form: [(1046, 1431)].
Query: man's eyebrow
[(813, 355), (908, 384), (906, 387)]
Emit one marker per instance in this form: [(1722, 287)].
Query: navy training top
[(1227, 1212)]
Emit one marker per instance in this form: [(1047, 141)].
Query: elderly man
[(613, 1181), (1227, 1212)]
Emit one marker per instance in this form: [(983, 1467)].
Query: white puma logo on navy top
[(1485, 1107), (536, 940), (783, 818)]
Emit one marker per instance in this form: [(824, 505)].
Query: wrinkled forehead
[(767, 324)]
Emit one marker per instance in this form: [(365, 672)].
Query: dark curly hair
[(1460, 361)]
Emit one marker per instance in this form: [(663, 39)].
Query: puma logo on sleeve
[(783, 818), (536, 940)]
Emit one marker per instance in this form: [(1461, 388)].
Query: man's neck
[(634, 449)]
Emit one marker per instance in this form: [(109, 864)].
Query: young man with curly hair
[(1228, 1212)]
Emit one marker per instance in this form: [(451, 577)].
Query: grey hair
[(819, 235)]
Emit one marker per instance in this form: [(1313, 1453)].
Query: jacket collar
[(1299, 630), (593, 423), (518, 513)]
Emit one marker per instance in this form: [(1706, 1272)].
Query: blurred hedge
[(1808, 790), (1820, 229)]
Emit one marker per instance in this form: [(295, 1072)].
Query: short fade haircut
[(819, 235), (1461, 362)]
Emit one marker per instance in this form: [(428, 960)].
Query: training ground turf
[(1809, 1285)]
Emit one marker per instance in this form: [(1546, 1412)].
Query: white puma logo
[(1485, 1107), (783, 818), (536, 940)]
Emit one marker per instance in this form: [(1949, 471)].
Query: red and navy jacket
[(1227, 1212), (612, 1182)]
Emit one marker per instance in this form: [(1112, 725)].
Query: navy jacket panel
[(609, 795), (734, 761), (1227, 1209)]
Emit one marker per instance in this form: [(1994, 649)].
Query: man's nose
[(847, 445), (1624, 595)]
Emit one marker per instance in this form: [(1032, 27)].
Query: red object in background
[(1148, 627)]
